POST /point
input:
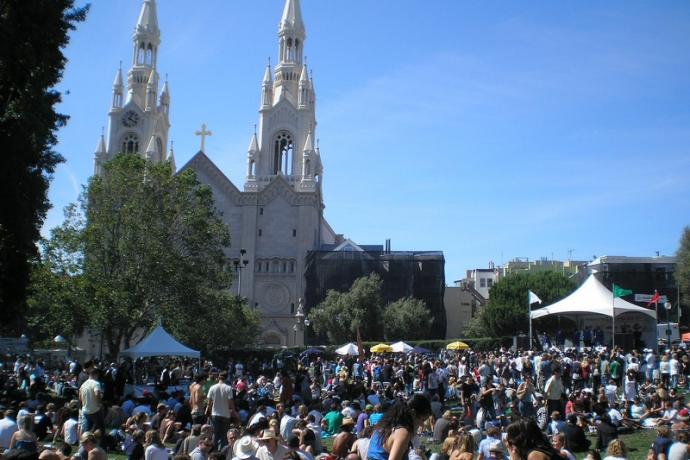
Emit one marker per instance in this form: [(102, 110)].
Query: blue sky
[(488, 130)]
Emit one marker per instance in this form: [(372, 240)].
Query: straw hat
[(245, 447), (268, 435), (348, 421)]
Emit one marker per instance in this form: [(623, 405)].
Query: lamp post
[(240, 264), (667, 307), (300, 323)]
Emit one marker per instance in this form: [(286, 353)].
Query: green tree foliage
[(32, 36), (683, 268), (407, 319), (342, 313), (151, 248), (506, 312), (56, 298)]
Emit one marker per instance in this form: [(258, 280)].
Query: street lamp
[(240, 264), (667, 306)]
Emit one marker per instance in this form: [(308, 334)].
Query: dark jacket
[(575, 439)]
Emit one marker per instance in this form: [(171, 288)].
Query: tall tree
[(683, 268), (506, 312), (32, 36), (407, 319), (152, 247), (342, 313)]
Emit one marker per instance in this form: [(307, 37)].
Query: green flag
[(620, 292)]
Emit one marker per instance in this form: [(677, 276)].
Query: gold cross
[(203, 133)]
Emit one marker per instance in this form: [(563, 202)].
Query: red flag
[(655, 299)]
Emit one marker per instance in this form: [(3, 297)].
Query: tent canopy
[(401, 347), (159, 343), (591, 297), (348, 349)]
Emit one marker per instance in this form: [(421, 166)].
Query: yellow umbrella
[(457, 345), (381, 348)]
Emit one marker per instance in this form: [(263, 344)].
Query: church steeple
[(284, 144), (139, 116)]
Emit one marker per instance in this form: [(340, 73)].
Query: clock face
[(130, 118)]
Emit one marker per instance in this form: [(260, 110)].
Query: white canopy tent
[(401, 347), (348, 349), (593, 298), (159, 343)]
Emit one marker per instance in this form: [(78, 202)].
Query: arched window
[(252, 168), (282, 153), (149, 55), (130, 144), (141, 53)]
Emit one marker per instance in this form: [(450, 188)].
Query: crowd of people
[(525, 405)]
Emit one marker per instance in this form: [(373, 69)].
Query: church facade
[(276, 218)]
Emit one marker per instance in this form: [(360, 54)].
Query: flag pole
[(529, 315), (613, 318)]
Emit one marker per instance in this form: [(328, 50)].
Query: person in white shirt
[(8, 426), (90, 394), (674, 365), (221, 408), (155, 449)]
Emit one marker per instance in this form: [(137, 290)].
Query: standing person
[(221, 408), (392, 435), (90, 396), (197, 398), (524, 394), (553, 391)]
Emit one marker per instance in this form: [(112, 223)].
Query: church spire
[(118, 89), (100, 154), (171, 158), (303, 89), (291, 34), (292, 17), (267, 89)]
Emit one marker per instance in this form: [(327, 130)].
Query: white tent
[(593, 298), (159, 343), (401, 347), (348, 349)]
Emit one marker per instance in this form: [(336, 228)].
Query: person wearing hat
[(363, 419), (682, 423), (270, 448), (345, 438), (493, 436), (496, 451), (245, 449), (90, 444)]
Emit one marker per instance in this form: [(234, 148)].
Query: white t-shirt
[(155, 453), (90, 393), (664, 367), (71, 433), (219, 395), (7, 429), (675, 366), (678, 451)]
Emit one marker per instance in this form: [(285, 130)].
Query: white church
[(276, 217)]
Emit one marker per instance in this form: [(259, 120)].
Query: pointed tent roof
[(159, 343), (148, 19), (592, 297), (292, 16), (348, 349)]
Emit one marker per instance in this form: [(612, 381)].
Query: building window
[(292, 308), (294, 232), (130, 144), (292, 267), (260, 232), (489, 282), (282, 153), (482, 282), (261, 211)]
